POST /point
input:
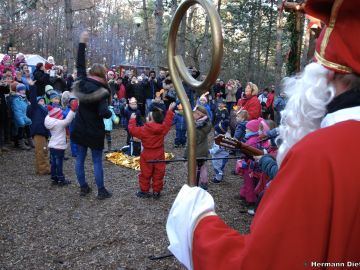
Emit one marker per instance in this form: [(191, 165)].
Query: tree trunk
[(159, 10), (148, 48), (204, 50), (69, 40), (182, 32), (259, 40), (250, 60), (267, 52), (279, 33)]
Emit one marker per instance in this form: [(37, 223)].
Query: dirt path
[(47, 227)]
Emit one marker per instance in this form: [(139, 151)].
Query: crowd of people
[(38, 111)]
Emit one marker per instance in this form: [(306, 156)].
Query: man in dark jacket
[(41, 79), (89, 131)]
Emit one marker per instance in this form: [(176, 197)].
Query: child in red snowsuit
[(152, 137)]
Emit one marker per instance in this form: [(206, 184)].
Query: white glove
[(189, 205)]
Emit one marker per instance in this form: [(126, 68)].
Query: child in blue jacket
[(180, 125)]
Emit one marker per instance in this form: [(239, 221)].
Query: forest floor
[(50, 227)]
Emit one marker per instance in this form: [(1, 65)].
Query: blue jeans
[(97, 162), (56, 160), (180, 137), (147, 105)]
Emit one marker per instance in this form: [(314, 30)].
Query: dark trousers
[(180, 138)]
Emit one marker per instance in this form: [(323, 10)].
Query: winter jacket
[(89, 129), (152, 134), (240, 130), (37, 114), (128, 112), (202, 147), (136, 90), (57, 129), (179, 121), (19, 107), (109, 121), (4, 89), (279, 104), (230, 92), (252, 106), (151, 89), (221, 115), (42, 79)]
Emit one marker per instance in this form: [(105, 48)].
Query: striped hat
[(55, 112)]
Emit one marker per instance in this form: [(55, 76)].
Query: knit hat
[(203, 96), (48, 88), (253, 125), (55, 112), (54, 95), (39, 97), (6, 58), (20, 87), (221, 127)]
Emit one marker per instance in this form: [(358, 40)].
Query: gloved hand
[(189, 205), (74, 104)]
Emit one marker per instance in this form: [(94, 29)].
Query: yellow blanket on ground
[(130, 162)]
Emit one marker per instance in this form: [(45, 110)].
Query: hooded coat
[(89, 129)]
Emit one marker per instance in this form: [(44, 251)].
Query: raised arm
[(80, 61)]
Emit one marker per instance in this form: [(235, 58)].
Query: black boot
[(62, 181), (84, 190), (103, 194)]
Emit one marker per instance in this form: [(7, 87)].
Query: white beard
[(308, 94)]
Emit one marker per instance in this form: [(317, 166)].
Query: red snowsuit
[(309, 214), (152, 137)]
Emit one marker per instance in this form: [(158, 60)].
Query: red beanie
[(55, 112)]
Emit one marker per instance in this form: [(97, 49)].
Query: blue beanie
[(39, 97), (54, 95), (20, 87)]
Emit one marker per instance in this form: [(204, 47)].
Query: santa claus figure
[(309, 215)]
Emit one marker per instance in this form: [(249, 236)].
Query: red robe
[(252, 105), (310, 213)]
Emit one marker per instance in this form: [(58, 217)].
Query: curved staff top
[(179, 71)]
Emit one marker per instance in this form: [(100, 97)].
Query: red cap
[(337, 47)]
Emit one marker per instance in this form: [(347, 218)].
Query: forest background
[(264, 40)]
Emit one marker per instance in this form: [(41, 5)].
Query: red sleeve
[(305, 216), (270, 101), (133, 129)]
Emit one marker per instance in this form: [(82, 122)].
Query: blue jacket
[(37, 114), (240, 131), (179, 121), (19, 107), (127, 113), (108, 122)]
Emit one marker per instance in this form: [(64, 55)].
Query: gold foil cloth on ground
[(130, 162)]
